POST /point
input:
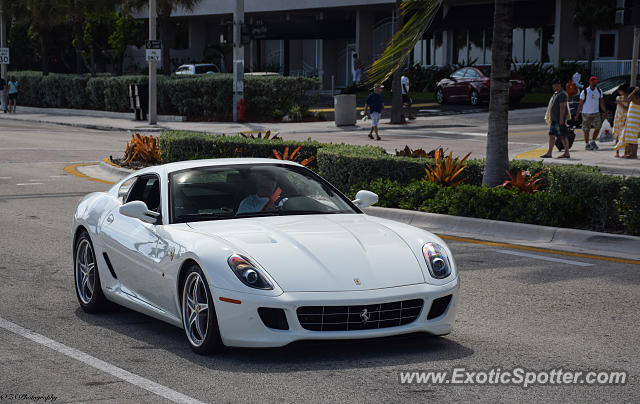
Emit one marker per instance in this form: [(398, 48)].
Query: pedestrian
[(3, 85), (591, 102), (576, 79), (620, 119), (13, 93), (629, 138), (357, 69), (556, 117), (374, 104), (404, 82)]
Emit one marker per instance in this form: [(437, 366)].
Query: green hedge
[(574, 196), (542, 208), (206, 96)]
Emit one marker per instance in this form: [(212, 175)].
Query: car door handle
[(110, 219)]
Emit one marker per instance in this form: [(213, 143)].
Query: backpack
[(571, 88)]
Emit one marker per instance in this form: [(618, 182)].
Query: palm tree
[(44, 16), (497, 160), (396, 86), (164, 10)]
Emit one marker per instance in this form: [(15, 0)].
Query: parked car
[(196, 244), (199, 68), (472, 84)]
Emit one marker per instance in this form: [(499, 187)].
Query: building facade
[(318, 37)]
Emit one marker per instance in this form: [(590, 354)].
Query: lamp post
[(153, 95)]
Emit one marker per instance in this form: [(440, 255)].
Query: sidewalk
[(461, 133)]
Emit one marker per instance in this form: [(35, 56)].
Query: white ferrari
[(258, 253)]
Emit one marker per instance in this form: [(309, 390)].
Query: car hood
[(315, 253)]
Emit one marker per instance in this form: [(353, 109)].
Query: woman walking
[(629, 139), (620, 118), (13, 93)]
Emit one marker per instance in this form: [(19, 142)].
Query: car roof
[(183, 165)]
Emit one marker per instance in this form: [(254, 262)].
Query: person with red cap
[(591, 102)]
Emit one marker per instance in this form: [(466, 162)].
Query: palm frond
[(420, 13)]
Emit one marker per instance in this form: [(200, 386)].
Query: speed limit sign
[(4, 56)]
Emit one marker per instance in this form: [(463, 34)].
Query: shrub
[(630, 205), (197, 97)]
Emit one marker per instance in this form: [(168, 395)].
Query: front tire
[(198, 314), (87, 277), (440, 96), (474, 98)]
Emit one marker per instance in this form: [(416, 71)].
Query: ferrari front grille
[(361, 317)]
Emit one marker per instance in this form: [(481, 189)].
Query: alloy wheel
[(85, 271), (195, 309)]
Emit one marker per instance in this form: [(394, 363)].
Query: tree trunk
[(163, 25), (396, 87), (44, 54), (92, 53), (497, 160)]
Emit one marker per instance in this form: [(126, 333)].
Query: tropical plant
[(417, 153), (142, 148), (294, 156), (520, 181), (445, 169), (267, 136), (591, 16)]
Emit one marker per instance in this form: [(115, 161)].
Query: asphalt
[(515, 310)]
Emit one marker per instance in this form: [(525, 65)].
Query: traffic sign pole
[(153, 95), (238, 57)]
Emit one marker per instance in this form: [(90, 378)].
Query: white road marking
[(94, 362), (5, 178), (31, 183), (545, 258)]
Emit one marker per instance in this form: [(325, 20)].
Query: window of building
[(606, 44)]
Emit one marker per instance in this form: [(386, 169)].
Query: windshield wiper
[(202, 216), (258, 214)]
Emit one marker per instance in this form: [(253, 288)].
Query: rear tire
[(87, 277), (198, 314)]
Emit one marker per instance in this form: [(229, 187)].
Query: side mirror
[(365, 199), (139, 210)]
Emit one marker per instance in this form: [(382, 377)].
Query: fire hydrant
[(241, 110)]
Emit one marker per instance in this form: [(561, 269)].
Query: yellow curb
[(431, 104), (72, 169), (111, 163), (542, 250), (532, 154)]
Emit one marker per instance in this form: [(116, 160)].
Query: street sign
[(153, 55), (4, 56), (153, 44)]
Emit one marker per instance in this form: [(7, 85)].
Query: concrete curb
[(114, 168), (96, 113), (88, 125), (518, 232), (609, 170)]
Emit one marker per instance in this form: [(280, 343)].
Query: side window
[(471, 73), (125, 188), (459, 74), (147, 190)]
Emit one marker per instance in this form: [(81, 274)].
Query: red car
[(472, 84)]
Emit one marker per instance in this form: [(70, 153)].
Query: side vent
[(106, 258)]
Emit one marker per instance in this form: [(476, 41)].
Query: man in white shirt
[(591, 102), (404, 83), (268, 195)]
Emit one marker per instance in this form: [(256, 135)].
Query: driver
[(268, 195)]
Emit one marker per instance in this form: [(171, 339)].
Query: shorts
[(558, 130), (13, 96), (375, 118), (406, 99), (591, 121)]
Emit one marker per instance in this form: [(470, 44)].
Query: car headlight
[(437, 260), (248, 273)]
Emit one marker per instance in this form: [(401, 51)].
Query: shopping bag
[(606, 134)]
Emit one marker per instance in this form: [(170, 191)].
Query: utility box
[(345, 109)]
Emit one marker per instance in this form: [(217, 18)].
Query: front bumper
[(241, 326)]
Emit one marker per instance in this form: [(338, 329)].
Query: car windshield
[(238, 191)]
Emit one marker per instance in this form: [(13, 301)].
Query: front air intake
[(438, 307)]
